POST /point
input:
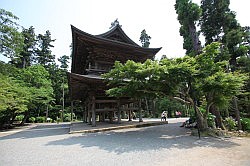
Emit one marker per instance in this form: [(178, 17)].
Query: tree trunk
[(237, 112), (25, 118), (218, 119), (195, 39), (201, 120)]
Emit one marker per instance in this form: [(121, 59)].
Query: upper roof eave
[(101, 39)]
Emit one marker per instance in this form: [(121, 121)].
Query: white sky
[(95, 16)]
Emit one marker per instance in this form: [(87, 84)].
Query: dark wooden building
[(93, 55)]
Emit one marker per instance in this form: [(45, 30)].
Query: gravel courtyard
[(161, 145)]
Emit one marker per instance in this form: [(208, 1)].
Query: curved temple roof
[(115, 36)]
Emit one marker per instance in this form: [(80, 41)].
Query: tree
[(13, 99), (188, 14), (218, 23), (36, 77), (27, 54), (183, 79), (144, 39), (43, 53), (11, 42)]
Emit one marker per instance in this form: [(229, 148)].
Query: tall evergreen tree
[(188, 14), (43, 53), (212, 19), (27, 53), (144, 39)]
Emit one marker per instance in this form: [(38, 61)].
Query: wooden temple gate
[(94, 55)]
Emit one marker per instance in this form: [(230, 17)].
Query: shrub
[(67, 117), (58, 120), (211, 120), (245, 122), (230, 123), (32, 119), (19, 117), (40, 119)]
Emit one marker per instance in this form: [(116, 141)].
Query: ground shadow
[(142, 139), (39, 131)]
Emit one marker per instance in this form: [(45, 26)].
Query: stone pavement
[(80, 127)]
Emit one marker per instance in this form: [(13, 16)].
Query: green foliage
[(211, 120), (11, 42), (27, 54), (213, 18), (37, 79), (13, 98), (245, 122), (32, 119), (171, 106), (43, 53), (64, 60), (178, 79), (38, 84), (67, 117), (230, 123), (188, 14), (40, 119), (19, 117)]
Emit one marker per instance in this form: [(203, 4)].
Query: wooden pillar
[(140, 111), (84, 112), (129, 112), (93, 111), (119, 111), (101, 119), (89, 113), (72, 107), (110, 116)]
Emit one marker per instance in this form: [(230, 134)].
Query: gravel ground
[(158, 145)]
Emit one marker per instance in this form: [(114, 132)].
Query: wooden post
[(119, 111), (129, 113), (89, 113), (140, 111), (72, 107), (84, 113), (110, 117), (93, 112)]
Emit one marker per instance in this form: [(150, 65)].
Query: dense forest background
[(33, 86)]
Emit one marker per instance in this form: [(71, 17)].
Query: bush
[(230, 123), (19, 117), (211, 120), (40, 119), (245, 122), (32, 119), (67, 117)]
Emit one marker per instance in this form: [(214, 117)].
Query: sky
[(157, 17)]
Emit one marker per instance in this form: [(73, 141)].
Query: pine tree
[(144, 39)]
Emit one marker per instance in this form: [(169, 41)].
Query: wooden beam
[(106, 109), (131, 108), (106, 101)]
